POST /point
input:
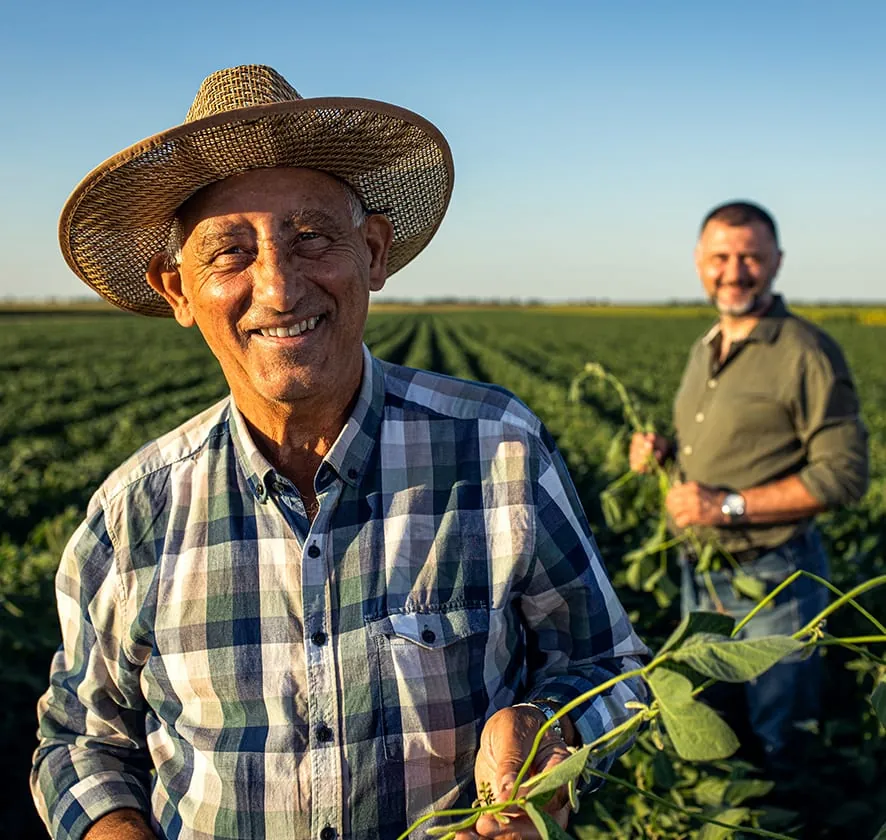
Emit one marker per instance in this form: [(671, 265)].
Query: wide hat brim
[(121, 214)]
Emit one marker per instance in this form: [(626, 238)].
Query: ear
[(379, 233), (166, 280), (697, 256), (778, 263)]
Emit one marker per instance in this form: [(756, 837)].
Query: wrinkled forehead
[(277, 189)]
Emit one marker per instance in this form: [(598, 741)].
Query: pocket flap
[(433, 630)]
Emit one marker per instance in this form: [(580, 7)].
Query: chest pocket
[(429, 682)]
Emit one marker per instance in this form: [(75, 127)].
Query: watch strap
[(548, 711)]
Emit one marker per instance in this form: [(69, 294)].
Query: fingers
[(517, 827), (642, 446)]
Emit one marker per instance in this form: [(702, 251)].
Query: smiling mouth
[(290, 332)]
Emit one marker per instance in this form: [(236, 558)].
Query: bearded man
[(322, 607), (768, 435)]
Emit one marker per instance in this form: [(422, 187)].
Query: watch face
[(733, 505)]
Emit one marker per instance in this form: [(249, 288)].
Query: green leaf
[(665, 592), (697, 732), (663, 770), (739, 791), (732, 816), (734, 660), (878, 701), (699, 622), (563, 773), (612, 513), (537, 820), (554, 830), (881, 834), (750, 587), (711, 792)]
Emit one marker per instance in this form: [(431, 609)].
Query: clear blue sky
[(589, 137)]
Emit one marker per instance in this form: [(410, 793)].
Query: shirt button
[(260, 489), (328, 833), (712, 383), (687, 450), (319, 638), (428, 635), (313, 551), (699, 417), (352, 473), (324, 734)]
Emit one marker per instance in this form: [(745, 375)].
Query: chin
[(740, 308)]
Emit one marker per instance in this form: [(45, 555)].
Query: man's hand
[(696, 504), (504, 745), (645, 445)]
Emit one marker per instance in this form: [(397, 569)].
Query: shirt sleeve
[(579, 635), (92, 756), (826, 413)]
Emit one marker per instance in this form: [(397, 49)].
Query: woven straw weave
[(247, 118)]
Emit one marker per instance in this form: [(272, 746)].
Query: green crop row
[(80, 394)]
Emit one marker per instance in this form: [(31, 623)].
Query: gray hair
[(176, 239)]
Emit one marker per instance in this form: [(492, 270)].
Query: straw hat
[(245, 118)]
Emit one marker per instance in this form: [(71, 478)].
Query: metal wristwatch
[(733, 506), (548, 711)]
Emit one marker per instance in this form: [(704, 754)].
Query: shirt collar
[(765, 330), (349, 454), (258, 470), (769, 325), (351, 450)]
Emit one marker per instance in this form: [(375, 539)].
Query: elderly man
[(318, 608), (767, 436)]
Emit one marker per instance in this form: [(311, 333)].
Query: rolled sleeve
[(580, 635), (92, 757), (836, 441)]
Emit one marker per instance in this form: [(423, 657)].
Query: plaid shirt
[(238, 671)]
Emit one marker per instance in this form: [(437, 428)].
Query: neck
[(295, 436), (737, 327)]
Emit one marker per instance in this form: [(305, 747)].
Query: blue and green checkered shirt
[(236, 670)]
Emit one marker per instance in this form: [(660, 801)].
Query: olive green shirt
[(782, 403)]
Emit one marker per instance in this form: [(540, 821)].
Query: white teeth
[(295, 329)]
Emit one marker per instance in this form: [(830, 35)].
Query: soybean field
[(80, 392)]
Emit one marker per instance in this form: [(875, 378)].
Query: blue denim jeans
[(768, 709)]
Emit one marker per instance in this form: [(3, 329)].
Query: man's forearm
[(785, 500), (125, 824)]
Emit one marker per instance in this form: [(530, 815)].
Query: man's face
[(276, 275), (737, 265)]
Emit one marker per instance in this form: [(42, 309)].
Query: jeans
[(769, 711)]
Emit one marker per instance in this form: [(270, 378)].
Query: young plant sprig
[(701, 651), (704, 649), (708, 551)]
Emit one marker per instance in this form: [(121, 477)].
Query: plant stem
[(873, 583), (788, 581), (572, 704)]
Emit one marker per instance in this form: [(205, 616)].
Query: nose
[(277, 283), (734, 270)]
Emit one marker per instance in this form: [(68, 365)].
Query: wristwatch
[(548, 711), (733, 506)]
